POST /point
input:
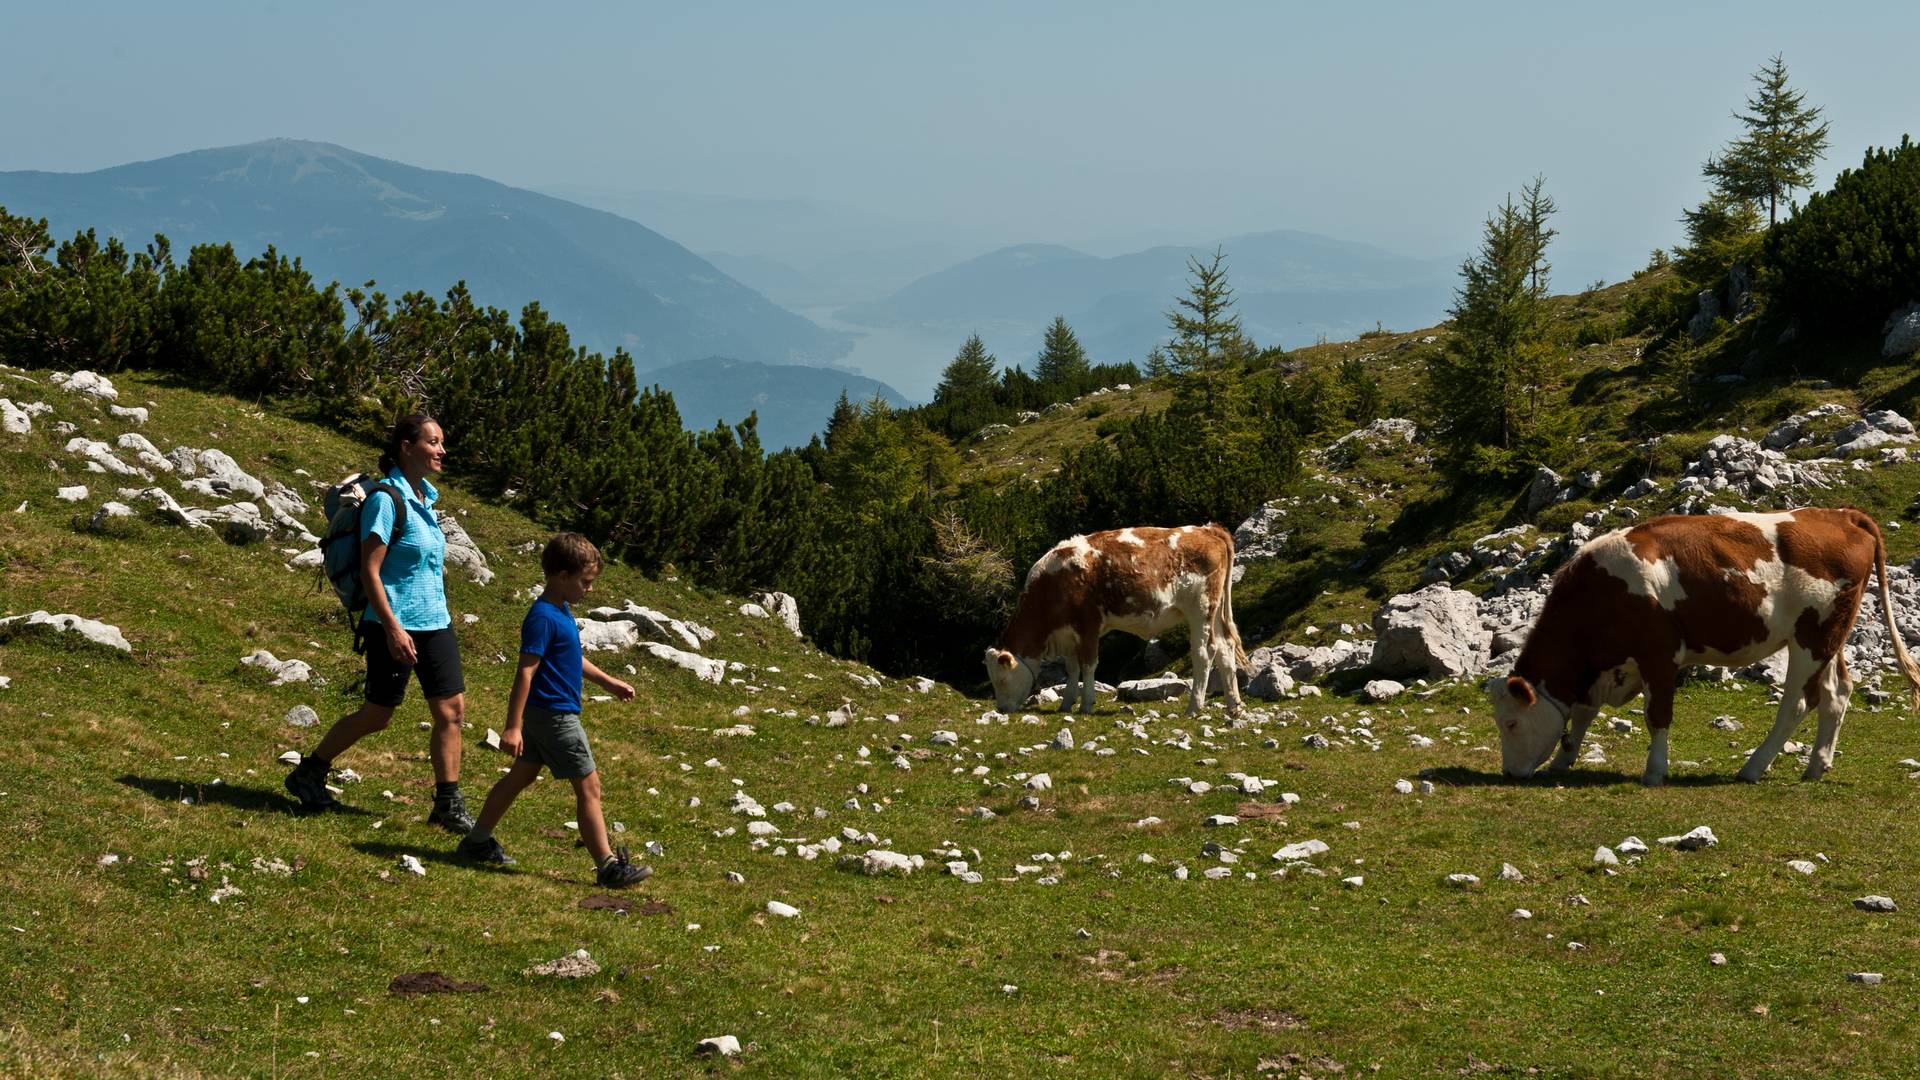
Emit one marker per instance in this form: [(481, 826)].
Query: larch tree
[(1784, 138)]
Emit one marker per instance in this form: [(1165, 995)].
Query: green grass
[(129, 969)]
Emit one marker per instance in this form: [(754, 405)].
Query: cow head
[(1012, 679), (1530, 725)]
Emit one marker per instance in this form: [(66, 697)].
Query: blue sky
[(1102, 125)]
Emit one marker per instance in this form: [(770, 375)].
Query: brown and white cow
[(1636, 605), (1143, 581)]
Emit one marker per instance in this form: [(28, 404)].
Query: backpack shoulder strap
[(400, 514)]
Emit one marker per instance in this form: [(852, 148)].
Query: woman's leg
[(351, 728), (444, 745)]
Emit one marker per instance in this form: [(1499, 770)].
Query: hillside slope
[(351, 217), (167, 915)]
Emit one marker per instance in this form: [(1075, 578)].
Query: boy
[(543, 715)]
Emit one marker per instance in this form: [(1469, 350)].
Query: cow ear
[(1521, 690), (1005, 659)]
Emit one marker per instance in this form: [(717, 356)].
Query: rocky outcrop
[(87, 383), (92, 630), (1902, 332), (462, 552), (1434, 632)]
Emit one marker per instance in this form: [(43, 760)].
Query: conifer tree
[(1784, 138), (1061, 367), (1206, 335), (1537, 206), (964, 400)]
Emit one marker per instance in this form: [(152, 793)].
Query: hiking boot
[(484, 851), (308, 783), (620, 871), (450, 813)]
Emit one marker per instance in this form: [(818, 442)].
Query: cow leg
[(1833, 689), (1579, 718), (1225, 661), (1070, 693), (1659, 720), (1202, 655), (1086, 675), (1801, 668)]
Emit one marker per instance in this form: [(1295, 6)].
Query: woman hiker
[(409, 629)]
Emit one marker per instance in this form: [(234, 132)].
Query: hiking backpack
[(340, 550)]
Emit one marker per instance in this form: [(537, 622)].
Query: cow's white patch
[(1073, 553), (1617, 687), (1659, 579), (1173, 539), (1128, 536)]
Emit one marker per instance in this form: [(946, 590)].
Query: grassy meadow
[(1074, 957)]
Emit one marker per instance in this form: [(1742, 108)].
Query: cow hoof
[(1746, 777), (1559, 766), (1814, 772), (1654, 779)]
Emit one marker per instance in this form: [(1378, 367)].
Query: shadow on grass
[(234, 795), (1461, 776), (443, 855)]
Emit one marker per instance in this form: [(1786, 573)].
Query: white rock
[(1305, 849), (1039, 782), (291, 757), (718, 1046), (782, 607), (1868, 978), (1701, 837), (1220, 820), (1510, 872), (1876, 903), (412, 865), (1404, 787), (97, 632), (1801, 865), (1462, 881), (283, 671), (1381, 690), (302, 716), (1520, 913), (705, 668), (76, 493), (1632, 845), (88, 383), (785, 911), (1604, 856), (1063, 739)]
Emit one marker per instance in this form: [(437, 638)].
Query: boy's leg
[(517, 779), (593, 826)]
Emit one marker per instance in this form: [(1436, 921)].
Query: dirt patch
[(431, 982), (575, 965), (1300, 1065), (1261, 811), (656, 907), (1258, 1019), (606, 902)]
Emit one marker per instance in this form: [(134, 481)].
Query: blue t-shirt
[(550, 633), (415, 569)]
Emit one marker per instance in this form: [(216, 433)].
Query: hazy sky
[(1105, 125)]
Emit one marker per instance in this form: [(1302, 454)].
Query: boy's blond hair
[(569, 553)]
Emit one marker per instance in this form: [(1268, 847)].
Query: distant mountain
[(1289, 289), (351, 218), (801, 253), (793, 401)]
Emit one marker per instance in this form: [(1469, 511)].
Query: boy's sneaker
[(485, 851), (309, 784), (450, 813), (620, 871)]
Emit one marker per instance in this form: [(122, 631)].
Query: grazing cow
[(1636, 605), (1143, 581)]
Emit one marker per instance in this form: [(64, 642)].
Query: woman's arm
[(373, 554)]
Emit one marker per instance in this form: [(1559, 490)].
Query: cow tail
[(1907, 666), (1231, 631)]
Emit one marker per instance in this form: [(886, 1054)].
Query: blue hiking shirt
[(550, 633), (415, 569)]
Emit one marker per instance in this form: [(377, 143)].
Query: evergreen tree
[(964, 402), (1158, 366), (1716, 233), (1206, 336), (1485, 387), (1536, 206), (1784, 138), (1061, 368)]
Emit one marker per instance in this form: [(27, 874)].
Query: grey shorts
[(557, 741)]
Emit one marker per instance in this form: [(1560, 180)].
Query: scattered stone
[(1404, 787), (1520, 913), (283, 671), (1717, 959), (1315, 741), (1039, 782), (1353, 882), (1510, 872), (302, 716), (1063, 739), (1701, 837), (1462, 881), (1866, 978), (76, 493), (1381, 690), (1876, 903), (575, 965), (1724, 723), (1220, 820), (1604, 856), (718, 1046), (1157, 689), (1632, 845), (1305, 849), (1434, 633), (1801, 865), (412, 865), (87, 383), (785, 911), (782, 607), (705, 668), (97, 632)]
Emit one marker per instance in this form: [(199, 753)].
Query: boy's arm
[(619, 687), (510, 740)]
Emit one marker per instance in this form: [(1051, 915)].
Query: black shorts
[(438, 653)]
